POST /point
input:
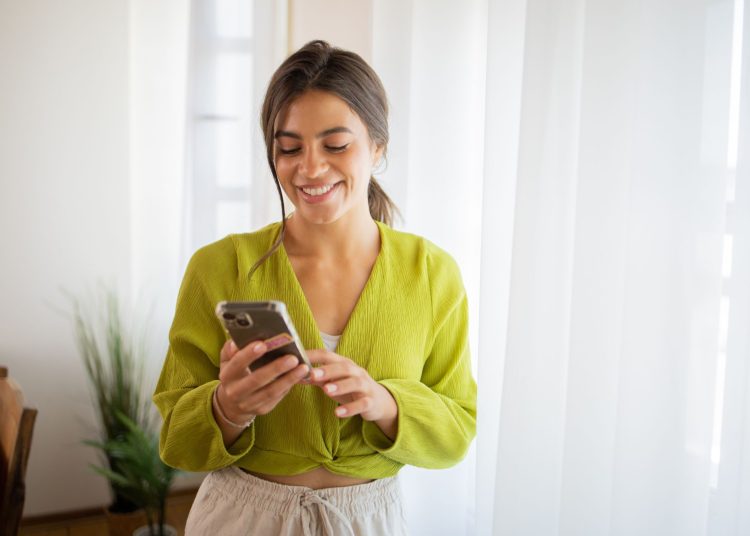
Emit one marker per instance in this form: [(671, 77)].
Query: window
[(234, 48)]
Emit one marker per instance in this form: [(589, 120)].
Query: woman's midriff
[(318, 478)]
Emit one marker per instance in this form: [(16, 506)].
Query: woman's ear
[(377, 154)]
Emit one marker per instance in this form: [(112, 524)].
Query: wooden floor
[(95, 524)]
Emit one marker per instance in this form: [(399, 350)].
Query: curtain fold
[(729, 508), (506, 36)]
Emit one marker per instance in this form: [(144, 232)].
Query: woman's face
[(324, 157)]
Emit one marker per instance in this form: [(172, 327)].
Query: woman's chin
[(317, 216)]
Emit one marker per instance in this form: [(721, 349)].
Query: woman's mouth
[(318, 194)]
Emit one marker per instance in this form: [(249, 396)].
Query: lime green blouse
[(409, 330)]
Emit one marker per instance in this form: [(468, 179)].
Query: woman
[(382, 313)]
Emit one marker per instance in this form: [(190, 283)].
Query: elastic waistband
[(362, 499)]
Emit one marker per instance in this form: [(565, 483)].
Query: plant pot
[(125, 524), (145, 530)]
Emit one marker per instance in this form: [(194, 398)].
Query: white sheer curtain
[(620, 132), (235, 45)]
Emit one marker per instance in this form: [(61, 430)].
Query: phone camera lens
[(243, 322), (228, 316)]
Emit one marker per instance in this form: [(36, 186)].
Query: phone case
[(267, 321)]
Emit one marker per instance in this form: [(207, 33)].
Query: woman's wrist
[(388, 423), (237, 422)]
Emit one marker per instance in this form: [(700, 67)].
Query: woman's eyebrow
[(334, 130), (327, 132)]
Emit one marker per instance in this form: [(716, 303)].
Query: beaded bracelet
[(224, 418)]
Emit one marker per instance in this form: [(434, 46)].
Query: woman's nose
[(313, 164)]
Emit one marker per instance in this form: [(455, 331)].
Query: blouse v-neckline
[(309, 321)]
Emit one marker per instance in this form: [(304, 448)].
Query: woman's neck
[(351, 236)]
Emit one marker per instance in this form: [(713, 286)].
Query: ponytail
[(382, 207)]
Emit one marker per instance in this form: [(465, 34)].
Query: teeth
[(318, 191)]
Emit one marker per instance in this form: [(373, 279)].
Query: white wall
[(63, 214), (91, 104), (342, 23), (158, 35)]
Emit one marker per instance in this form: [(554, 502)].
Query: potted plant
[(139, 474), (114, 368)]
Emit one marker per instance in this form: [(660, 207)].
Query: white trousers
[(232, 502)]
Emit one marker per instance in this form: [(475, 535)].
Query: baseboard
[(70, 515)]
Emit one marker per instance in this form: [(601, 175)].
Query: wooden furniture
[(16, 426)]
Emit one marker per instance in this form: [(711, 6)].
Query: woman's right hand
[(243, 393)]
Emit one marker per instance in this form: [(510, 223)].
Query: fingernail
[(317, 373), (259, 347), (340, 412), (331, 388), (232, 346), (290, 362)]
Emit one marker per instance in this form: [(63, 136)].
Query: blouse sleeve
[(190, 438), (437, 414)]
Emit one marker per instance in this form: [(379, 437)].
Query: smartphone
[(266, 321)]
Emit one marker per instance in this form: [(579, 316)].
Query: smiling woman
[(383, 315)]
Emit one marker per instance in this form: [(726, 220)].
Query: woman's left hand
[(352, 386)]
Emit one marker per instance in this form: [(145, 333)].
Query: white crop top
[(330, 341)]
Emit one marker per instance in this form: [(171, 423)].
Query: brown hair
[(319, 66)]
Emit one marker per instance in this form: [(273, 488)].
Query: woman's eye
[(288, 151), (336, 149)]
